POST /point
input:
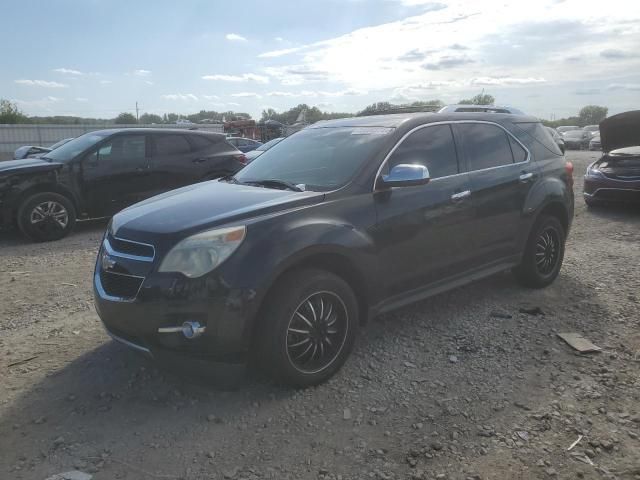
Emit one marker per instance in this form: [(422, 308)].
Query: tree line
[(11, 114)]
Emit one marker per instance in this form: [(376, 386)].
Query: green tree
[(592, 115), (9, 113), (125, 118), (480, 99), (147, 118)]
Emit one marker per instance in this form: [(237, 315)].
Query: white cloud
[(634, 87), (180, 96), (211, 97), (141, 72), (245, 77), (506, 81), (149, 82), (318, 93), (68, 71), (41, 83), (234, 37), (233, 104), (246, 95), (105, 82), (82, 99), (279, 39)]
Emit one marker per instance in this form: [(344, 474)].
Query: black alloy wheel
[(307, 327)]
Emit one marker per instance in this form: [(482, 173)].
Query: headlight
[(199, 254), (592, 171)]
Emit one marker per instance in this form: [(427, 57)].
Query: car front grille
[(124, 287), (131, 248)]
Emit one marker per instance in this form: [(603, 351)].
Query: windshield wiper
[(230, 179), (276, 183)]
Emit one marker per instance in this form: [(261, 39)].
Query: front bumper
[(163, 301), (611, 190)]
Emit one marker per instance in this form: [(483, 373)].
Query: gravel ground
[(462, 386)]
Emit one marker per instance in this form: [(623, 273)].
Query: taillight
[(568, 168), (241, 158)]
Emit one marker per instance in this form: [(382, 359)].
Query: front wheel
[(46, 216), (308, 328), (543, 253)]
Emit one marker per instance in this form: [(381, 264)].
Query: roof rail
[(401, 109)]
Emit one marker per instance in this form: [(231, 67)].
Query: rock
[(230, 473), (551, 472), (346, 414), (72, 475), (212, 418), (500, 314), (531, 310), (523, 435), (437, 446), (453, 359), (409, 365), (40, 420), (58, 441)]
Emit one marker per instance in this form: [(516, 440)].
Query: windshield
[(60, 143), (319, 158), (266, 146), (72, 148)]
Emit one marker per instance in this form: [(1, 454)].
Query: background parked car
[(576, 139), (253, 154), (567, 128), (32, 151), (595, 144), (592, 129), (615, 177), (244, 144), (102, 172), (557, 138)]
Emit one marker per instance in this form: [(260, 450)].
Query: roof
[(111, 131), (400, 119)]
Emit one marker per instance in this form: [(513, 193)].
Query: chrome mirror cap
[(406, 175)]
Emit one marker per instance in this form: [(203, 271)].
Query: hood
[(619, 131), (28, 150), (204, 205), (25, 165)]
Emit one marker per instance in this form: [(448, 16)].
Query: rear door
[(501, 174), (174, 163), (423, 234), (116, 174)]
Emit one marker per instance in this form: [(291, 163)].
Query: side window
[(432, 147), (125, 150), (539, 137), (171, 145), (519, 153), (200, 142), (485, 145)]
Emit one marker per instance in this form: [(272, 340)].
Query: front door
[(116, 174), (422, 233), (175, 163)]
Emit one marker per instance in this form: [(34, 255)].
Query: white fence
[(14, 136)]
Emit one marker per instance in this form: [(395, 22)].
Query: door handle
[(199, 160), (525, 177), (458, 197)]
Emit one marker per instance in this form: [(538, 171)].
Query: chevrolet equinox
[(342, 221)]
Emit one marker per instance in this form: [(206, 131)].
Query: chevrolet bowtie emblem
[(107, 262)]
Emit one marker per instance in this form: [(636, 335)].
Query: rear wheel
[(309, 327), (543, 253), (46, 216)]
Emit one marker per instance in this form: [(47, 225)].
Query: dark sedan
[(576, 139), (595, 143), (557, 138), (244, 144), (615, 177)]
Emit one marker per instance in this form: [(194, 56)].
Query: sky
[(97, 58)]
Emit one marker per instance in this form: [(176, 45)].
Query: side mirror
[(406, 175)]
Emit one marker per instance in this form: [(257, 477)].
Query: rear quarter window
[(537, 138), (201, 142)]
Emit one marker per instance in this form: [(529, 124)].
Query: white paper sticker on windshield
[(371, 130)]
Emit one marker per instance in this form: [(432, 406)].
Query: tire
[(46, 216), (591, 202), (302, 345), (543, 255)]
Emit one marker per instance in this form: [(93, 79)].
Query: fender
[(302, 242), (21, 187)]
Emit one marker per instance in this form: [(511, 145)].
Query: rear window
[(201, 142), (172, 145), (539, 137)]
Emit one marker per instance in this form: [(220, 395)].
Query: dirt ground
[(462, 386)]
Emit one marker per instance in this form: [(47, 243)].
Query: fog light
[(192, 330)]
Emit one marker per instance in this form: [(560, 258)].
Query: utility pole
[(136, 112)]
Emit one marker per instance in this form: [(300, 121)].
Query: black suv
[(341, 221), (100, 173)]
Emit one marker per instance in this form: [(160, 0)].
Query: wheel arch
[(45, 188)]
